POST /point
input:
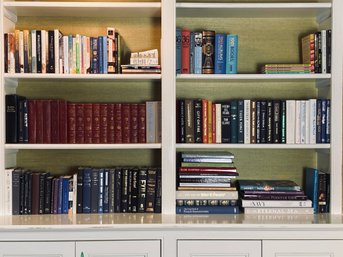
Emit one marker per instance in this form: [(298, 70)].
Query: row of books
[(205, 184), (286, 69), (316, 51), (60, 122), (205, 52), (253, 121), (90, 190), (42, 51)]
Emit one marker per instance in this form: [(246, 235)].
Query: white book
[(218, 123), (21, 51), (45, 52), (313, 121), (151, 119), (34, 51), (74, 196), (303, 122), (247, 129), (65, 55), (286, 211), (323, 34), (203, 195), (57, 50), (290, 121), (297, 121), (8, 192), (88, 56), (84, 54), (73, 63), (276, 203), (307, 122)]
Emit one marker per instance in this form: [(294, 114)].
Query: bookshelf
[(274, 25)]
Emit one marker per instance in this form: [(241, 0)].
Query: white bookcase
[(168, 234)]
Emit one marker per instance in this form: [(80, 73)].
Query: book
[(200, 194), (275, 210), (220, 53), (185, 51), (208, 51), (276, 203), (231, 54), (207, 210), (268, 185)]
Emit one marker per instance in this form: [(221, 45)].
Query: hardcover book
[(268, 185)]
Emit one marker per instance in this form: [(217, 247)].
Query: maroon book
[(88, 120), (110, 123), (80, 124), (134, 123), (185, 51), (35, 193), (71, 109), (96, 124), (63, 122), (47, 121), (39, 121), (141, 123), (103, 123), (55, 122), (118, 124), (32, 121), (126, 123)]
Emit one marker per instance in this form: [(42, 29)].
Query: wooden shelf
[(80, 146), (254, 10), (83, 9), (253, 146)]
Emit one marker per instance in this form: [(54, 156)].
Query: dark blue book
[(101, 55), (328, 122), (79, 188), (118, 186), (207, 210), (225, 122), (104, 55), (86, 190), (192, 54), (101, 190), (65, 193), (178, 50), (311, 187), (220, 54), (125, 190), (95, 191), (234, 121), (142, 189), (241, 121), (112, 184), (106, 190), (60, 195), (94, 55)]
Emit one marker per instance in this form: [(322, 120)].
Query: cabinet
[(37, 249)]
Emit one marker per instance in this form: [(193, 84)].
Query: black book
[(79, 188), (16, 52), (16, 177), (129, 187), (95, 190), (198, 121), (48, 194), (142, 182), (11, 118), (29, 193), (26, 51), (101, 190), (86, 192), (328, 51), (134, 191), (42, 188), (106, 190), (23, 129), (158, 197), (189, 120), (241, 121), (282, 126), (182, 121), (39, 50), (117, 53), (226, 122), (234, 121), (51, 52), (22, 192), (151, 190), (118, 186), (276, 127), (112, 184), (125, 190), (270, 121), (263, 129), (258, 122), (6, 52)]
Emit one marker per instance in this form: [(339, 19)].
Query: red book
[(126, 123), (39, 121), (141, 123), (103, 123), (204, 121), (32, 121), (80, 124), (185, 51), (63, 122), (96, 124), (47, 121), (134, 123), (214, 123), (110, 124), (88, 120), (55, 120), (118, 135), (71, 123)]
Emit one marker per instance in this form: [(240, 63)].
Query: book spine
[(95, 123), (276, 203), (6, 47), (55, 119), (118, 133), (118, 190), (197, 52), (185, 51), (86, 190), (178, 50), (207, 210), (151, 190), (106, 190), (11, 53), (134, 123), (39, 50), (103, 123), (209, 122), (189, 120), (126, 123), (79, 187), (16, 188), (323, 123), (218, 123), (328, 122), (26, 51), (11, 118), (204, 121), (240, 119), (94, 190), (112, 190), (232, 54), (290, 121), (191, 53), (101, 190), (220, 54), (226, 122), (208, 52), (253, 122), (111, 124), (234, 121), (125, 190), (283, 121), (88, 123), (247, 122), (158, 196), (80, 124), (141, 123), (142, 182)]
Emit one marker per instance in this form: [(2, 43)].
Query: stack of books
[(286, 69), (273, 197), (143, 63), (205, 184)]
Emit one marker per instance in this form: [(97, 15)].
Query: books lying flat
[(275, 203), (305, 210), (207, 210), (274, 197), (205, 184), (206, 164), (268, 185), (214, 170), (191, 188), (208, 155), (209, 160), (205, 202), (201, 194)]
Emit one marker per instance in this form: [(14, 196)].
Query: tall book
[(220, 54), (185, 51), (231, 54), (208, 37), (178, 50)]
